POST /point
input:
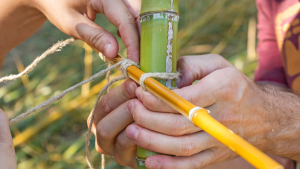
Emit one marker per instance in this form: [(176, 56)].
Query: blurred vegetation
[(54, 138)]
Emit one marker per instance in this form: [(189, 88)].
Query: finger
[(125, 151), (196, 67), (198, 161), (113, 99), (166, 123), (7, 151), (111, 125), (119, 15), (181, 146), (80, 26), (203, 94), (152, 102), (134, 7)]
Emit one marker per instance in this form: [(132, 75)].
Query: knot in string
[(163, 76), (125, 64)]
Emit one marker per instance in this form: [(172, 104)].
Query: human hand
[(7, 151), (76, 18), (232, 98), (111, 118)]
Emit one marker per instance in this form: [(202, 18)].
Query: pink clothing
[(279, 46)]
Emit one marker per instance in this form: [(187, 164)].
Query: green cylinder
[(159, 29)]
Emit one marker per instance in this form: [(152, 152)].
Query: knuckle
[(148, 141), (179, 127), (227, 88), (96, 38), (149, 102), (188, 146), (234, 85), (196, 163), (129, 18), (104, 105), (124, 143), (228, 117), (101, 133), (217, 57), (124, 90)]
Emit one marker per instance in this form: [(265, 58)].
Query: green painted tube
[(159, 28)]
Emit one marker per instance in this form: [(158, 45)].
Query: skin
[(233, 99), (19, 19), (7, 151), (122, 121)]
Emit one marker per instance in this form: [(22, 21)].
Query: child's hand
[(75, 18), (111, 119), (7, 151)]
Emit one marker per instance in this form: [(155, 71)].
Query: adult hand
[(233, 99), (112, 116), (7, 151), (75, 18)]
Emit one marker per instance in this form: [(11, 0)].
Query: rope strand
[(163, 76), (123, 67), (55, 48)]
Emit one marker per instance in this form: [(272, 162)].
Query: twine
[(163, 76), (55, 48), (123, 67)]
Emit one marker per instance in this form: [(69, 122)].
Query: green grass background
[(209, 26)]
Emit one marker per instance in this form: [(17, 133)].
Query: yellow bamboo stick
[(202, 119)]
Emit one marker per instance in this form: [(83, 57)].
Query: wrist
[(280, 127), (254, 114)]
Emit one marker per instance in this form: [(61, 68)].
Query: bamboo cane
[(159, 27), (201, 118)]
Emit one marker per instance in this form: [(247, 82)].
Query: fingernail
[(130, 106), (139, 93), (133, 133), (106, 49), (131, 87), (153, 165), (178, 81)]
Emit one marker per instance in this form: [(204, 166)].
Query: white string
[(163, 76), (55, 48), (124, 64)]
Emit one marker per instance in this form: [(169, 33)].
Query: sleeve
[(270, 67)]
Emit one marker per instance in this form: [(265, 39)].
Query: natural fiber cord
[(123, 67)]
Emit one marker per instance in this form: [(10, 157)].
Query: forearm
[(18, 21), (281, 106)]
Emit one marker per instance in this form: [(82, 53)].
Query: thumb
[(195, 68), (7, 152), (81, 27)]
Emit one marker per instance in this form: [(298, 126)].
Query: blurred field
[(54, 138)]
